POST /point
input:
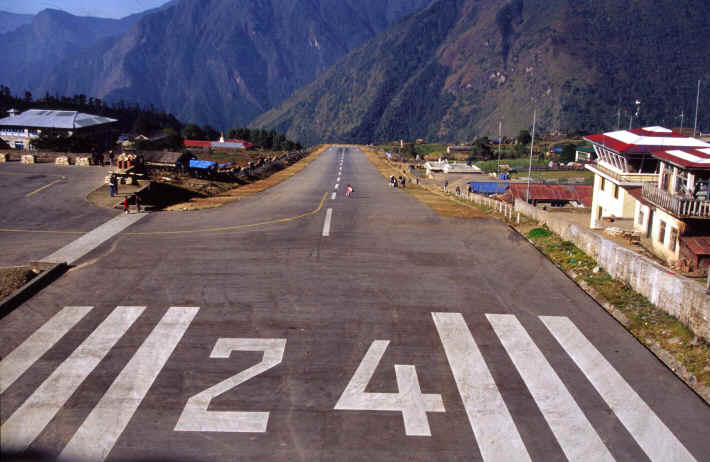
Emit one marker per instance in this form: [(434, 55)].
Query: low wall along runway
[(676, 295)]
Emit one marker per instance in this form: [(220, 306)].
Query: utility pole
[(682, 114), (532, 143), (500, 141), (697, 104), (618, 120)]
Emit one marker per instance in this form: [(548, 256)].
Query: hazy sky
[(100, 8)]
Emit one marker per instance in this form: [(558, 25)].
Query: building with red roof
[(625, 161), (674, 212), (659, 179)]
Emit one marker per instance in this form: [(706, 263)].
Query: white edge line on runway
[(332, 197), (656, 440), (88, 242), (326, 223)]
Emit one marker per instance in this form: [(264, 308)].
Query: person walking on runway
[(348, 190)]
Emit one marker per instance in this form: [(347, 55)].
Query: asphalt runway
[(45, 197), (362, 328)]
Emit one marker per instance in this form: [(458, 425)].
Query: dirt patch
[(444, 204), (12, 279)]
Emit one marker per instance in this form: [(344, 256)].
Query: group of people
[(400, 182), (137, 201)]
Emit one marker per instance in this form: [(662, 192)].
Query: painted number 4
[(409, 400)]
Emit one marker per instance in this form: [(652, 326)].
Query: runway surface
[(300, 324)]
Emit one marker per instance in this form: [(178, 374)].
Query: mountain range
[(368, 70), (221, 62), (454, 70)]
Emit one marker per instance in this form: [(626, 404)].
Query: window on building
[(662, 231), (674, 239), (602, 184), (640, 222), (616, 191), (599, 213)]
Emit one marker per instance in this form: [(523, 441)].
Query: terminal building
[(19, 129)]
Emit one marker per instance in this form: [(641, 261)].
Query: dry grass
[(244, 191), (443, 204), (12, 279)]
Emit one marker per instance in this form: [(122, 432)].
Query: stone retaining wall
[(679, 296)]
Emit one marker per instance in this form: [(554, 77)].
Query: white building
[(18, 130), (624, 164), (444, 166)]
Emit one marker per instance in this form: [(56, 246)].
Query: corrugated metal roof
[(689, 158), (699, 245), (41, 118), (546, 192)]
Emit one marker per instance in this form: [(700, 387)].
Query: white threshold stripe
[(326, 223), (496, 434), (574, 433), (332, 197), (36, 345), (98, 434), (651, 434), (28, 421), (89, 241)]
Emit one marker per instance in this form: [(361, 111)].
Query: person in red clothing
[(348, 190), (125, 205)]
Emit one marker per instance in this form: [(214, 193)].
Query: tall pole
[(500, 140), (697, 104), (618, 120), (682, 114), (532, 143)]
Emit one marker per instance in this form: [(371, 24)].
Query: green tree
[(192, 132), (568, 153), (524, 137)]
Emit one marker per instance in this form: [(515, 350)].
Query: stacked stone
[(83, 161), (3, 158), (62, 160), (28, 159)]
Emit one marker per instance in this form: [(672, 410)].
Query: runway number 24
[(409, 400)]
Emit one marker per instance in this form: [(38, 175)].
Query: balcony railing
[(623, 177), (677, 205)]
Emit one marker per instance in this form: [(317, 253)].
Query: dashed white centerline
[(333, 196), (337, 185), (326, 224)]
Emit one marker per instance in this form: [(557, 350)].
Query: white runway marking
[(338, 180), (332, 197), (657, 441), (32, 417), (197, 418), (497, 437), (573, 431), (409, 400), (24, 356), (88, 242), (326, 223), (104, 425), (337, 186)]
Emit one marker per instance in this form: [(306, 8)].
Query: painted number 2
[(409, 400), (196, 418)]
